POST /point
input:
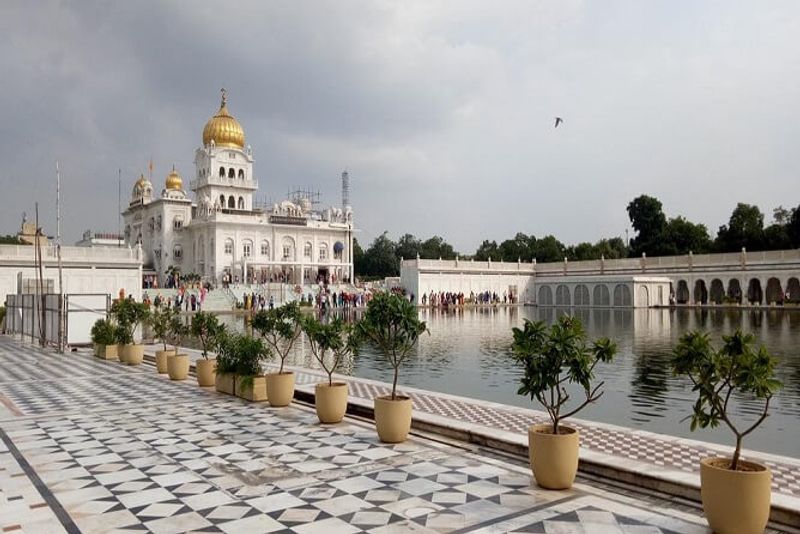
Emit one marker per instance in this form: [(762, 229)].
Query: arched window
[(241, 203), (231, 202), (545, 296), (288, 248), (581, 295), (177, 222), (158, 222), (222, 201), (222, 172), (231, 173), (265, 249), (177, 253), (562, 296), (323, 252), (622, 295), (307, 250), (229, 246), (241, 174), (247, 248), (602, 296)]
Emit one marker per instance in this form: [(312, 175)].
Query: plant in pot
[(177, 363), (392, 325), (279, 328), (227, 361), (104, 338), (250, 381), (735, 493), (332, 344), (129, 314), (556, 360), (206, 328), (160, 321)]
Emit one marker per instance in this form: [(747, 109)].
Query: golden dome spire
[(174, 181), (223, 128)]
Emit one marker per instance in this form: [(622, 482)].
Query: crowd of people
[(448, 298), (185, 299)]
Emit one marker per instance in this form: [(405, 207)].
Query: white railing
[(69, 254), (218, 180)]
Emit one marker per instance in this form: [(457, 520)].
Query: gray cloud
[(442, 110)]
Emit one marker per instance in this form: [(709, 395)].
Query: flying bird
[(559, 120)]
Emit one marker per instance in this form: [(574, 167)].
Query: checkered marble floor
[(191, 460)]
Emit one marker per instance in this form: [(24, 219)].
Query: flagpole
[(58, 253), (119, 207)]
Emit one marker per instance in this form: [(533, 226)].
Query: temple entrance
[(323, 275)]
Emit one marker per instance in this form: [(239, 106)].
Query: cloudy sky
[(442, 111)]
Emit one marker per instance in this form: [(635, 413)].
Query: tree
[(11, 240), (207, 329), (649, 221), (612, 249), (681, 236), (554, 357), (549, 249), (794, 228), (744, 229), (358, 258), (380, 258), (279, 328), (408, 247), (520, 247), (487, 251), (782, 216), (435, 248)]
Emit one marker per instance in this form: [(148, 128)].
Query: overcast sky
[(442, 111)]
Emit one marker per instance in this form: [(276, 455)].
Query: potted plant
[(225, 378), (331, 344), (279, 328), (177, 363), (250, 381), (129, 315), (392, 325), (555, 359), (735, 492), (160, 320), (104, 339), (206, 328)]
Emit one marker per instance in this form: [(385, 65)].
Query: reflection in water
[(467, 353)]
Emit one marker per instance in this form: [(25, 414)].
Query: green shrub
[(129, 314), (279, 328), (555, 357), (206, 328), (736, 368), (331, 343), (104, 332), (391, 324)]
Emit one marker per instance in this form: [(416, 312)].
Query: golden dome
[(174, 181), (223, 128), (142, 181)]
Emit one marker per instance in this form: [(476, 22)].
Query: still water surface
[(467, 353)]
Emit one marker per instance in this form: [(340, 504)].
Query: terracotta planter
[(121, 353), (280, 388), (553, 457), (735, 502), (255, 391), (330, 401), (178, 366), (206, 372), (393, 418), (133, 354), (225, 383), (161, 360), (110, 352)]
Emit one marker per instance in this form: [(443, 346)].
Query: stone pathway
[(94, 446)]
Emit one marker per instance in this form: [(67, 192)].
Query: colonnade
[(763, 290)]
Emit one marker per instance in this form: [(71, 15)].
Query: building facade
[(221, 235)]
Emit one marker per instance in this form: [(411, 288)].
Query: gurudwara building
[(220, 235)]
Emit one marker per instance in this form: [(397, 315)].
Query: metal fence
[(38, 316)]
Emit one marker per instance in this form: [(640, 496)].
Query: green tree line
[(655, 234)]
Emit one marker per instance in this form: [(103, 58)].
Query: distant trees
[(655, 235), (11, 240)]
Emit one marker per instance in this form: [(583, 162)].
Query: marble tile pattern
[(158, 456)]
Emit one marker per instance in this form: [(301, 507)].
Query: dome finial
[(224, 97)]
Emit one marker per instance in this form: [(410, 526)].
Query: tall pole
[(61, 315), (40, 280), (119, 207)]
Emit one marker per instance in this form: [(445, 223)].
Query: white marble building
[(222, 233)]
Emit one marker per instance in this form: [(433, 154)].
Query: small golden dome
[(223, 128), (174, 181)]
